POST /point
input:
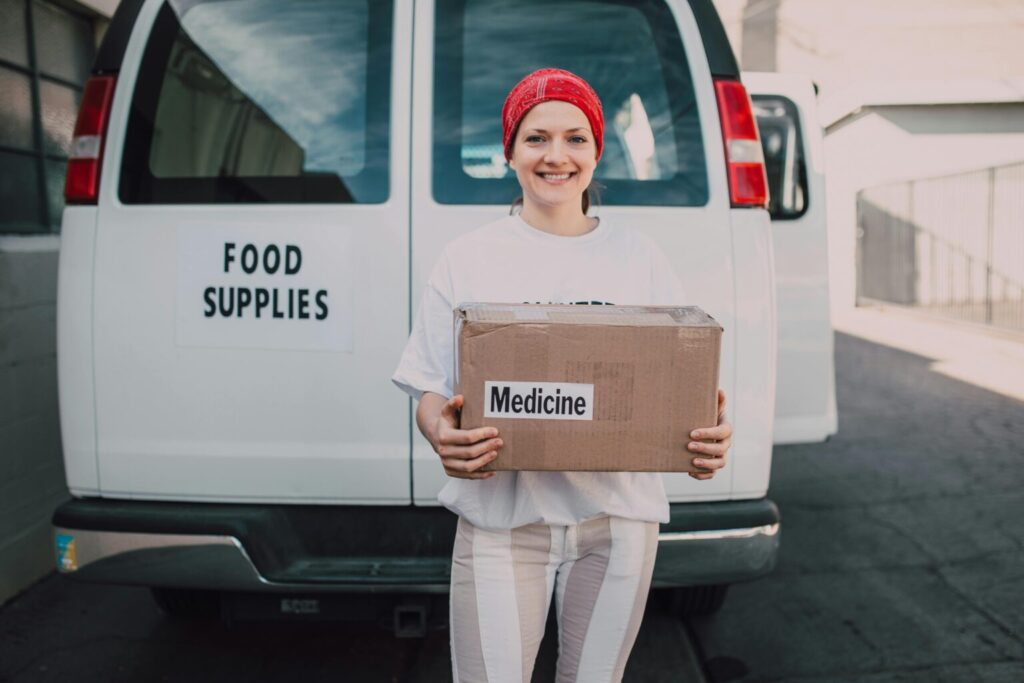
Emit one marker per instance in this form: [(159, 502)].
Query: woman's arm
[(713, 453), (462, 451)]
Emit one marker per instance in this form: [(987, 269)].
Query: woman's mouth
[(556, 178)]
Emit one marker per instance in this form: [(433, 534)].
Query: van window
[(630, 52), (242, 101), (782, 141)]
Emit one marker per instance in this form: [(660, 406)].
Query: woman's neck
[(564, 220)]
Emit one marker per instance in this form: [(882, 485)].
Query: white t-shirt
[(509, 261)]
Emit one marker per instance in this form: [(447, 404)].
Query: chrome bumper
[(203, 562), (716, 556), (222, 563)]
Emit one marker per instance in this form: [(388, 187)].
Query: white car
[(256, 194)]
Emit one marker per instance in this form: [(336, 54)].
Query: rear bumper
[(357, 549)]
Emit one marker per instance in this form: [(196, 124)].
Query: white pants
[(502, 581)]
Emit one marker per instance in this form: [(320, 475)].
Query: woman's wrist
[(427, 414)]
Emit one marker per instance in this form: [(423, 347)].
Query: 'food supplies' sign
[(264, 287), (539, 400)]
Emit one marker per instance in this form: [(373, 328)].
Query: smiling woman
[(588, 537)]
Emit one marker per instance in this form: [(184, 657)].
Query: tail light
[(82, 183), (748, 183)]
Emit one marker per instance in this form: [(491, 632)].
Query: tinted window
[(779, 125), (262, 101), (632, 54)]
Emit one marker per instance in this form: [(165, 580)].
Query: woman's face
[(554, 154)]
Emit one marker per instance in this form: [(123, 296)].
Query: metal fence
[(952, 246)]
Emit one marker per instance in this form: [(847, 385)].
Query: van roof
[(719, 52)]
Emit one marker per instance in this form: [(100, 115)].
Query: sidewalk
[(988, 358)]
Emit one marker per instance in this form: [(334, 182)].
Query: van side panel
[(753, 399), (75, 379)]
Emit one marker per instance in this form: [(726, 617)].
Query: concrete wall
[(889, 144), (31, 466)]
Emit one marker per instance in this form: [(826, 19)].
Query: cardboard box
[(595, 388)]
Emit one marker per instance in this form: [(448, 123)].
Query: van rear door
[(662, 170), (786, 110), (251, 268)]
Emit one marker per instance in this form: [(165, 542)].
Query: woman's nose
[(555, 152)]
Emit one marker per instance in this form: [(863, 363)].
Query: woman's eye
[(578, 139), (534, 138)]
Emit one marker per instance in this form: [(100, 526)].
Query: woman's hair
[(591, 197)]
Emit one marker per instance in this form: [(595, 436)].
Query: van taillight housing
[(748, 182), (82, 183)]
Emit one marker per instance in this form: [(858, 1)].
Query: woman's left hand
[(711, 455)]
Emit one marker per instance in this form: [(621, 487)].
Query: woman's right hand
[(462, 451)]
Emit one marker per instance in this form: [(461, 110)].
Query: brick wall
[(31, 466)]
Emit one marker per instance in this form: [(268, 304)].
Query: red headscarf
[(550, 84)]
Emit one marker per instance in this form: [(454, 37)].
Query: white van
[(256, 194)]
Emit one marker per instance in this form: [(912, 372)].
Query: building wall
[(45, 58), (842, 44), (848, 48), (890, 144), (31, 463)]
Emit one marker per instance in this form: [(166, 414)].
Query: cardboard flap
[(567, 314)]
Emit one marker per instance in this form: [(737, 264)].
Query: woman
[(589, 537)]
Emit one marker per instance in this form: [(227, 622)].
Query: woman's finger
[(469, 452), (718, 433), (715, 450), (459, 474), (709, 463), (702, 475), (470, 475), (470, 465), (477, 475), (721, 403), (465, 437)]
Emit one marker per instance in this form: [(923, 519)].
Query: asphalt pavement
[(902, 557), (902, 550)]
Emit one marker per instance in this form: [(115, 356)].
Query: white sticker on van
[(265, 286), (539, 400)]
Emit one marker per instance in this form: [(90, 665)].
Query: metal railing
[(952, 246)]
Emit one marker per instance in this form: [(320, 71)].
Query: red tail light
[(748, 183), (82, 184)]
